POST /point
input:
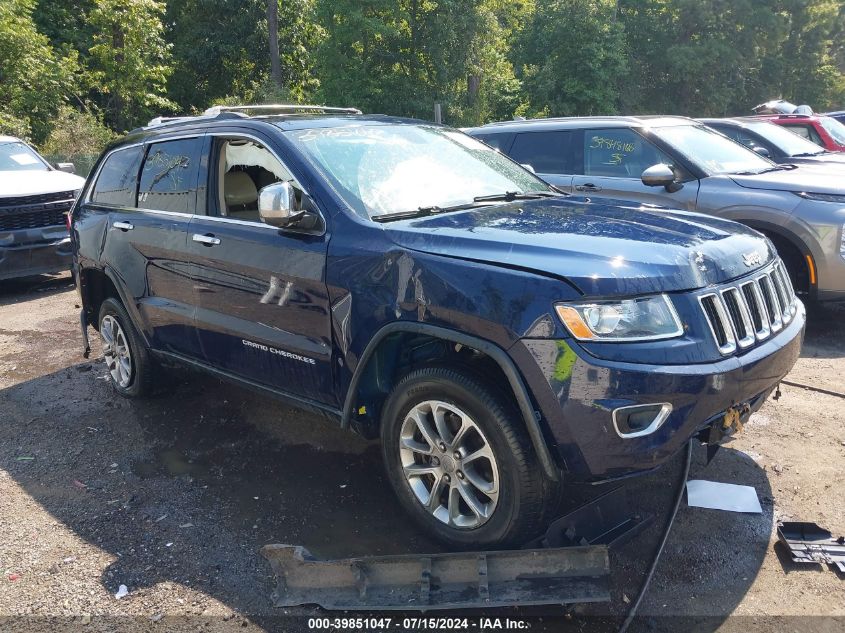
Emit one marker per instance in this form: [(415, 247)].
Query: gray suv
[(679, 163)]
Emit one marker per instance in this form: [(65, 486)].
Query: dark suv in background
[(776, 142), (405, 280)]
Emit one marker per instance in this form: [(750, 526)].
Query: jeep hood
[(30, 183), (809, 178), (603, 249)]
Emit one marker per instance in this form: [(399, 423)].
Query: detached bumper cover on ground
[(441, 581)]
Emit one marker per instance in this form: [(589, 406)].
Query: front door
[(262, 302), (614, 160)]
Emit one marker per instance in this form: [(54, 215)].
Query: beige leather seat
[(241, 195)]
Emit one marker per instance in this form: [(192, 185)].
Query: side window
[(245, 167), (619, 153), (169, 176), (118, 178), (805, 131), (499, 141), (546, 152)]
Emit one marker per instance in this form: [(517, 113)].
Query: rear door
[(613, 162), (554, 155), (149, 192), (263, 310)]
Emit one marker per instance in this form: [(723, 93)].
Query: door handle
[(123, 226), (587, 187), (206, 240)]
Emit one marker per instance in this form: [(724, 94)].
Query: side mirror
[(661, 175), (528, 167), (278, 206), (762, 151), (68, 168)]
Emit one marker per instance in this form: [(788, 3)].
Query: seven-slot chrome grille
[(750, 310)]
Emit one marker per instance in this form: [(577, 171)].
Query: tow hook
[(730, 424)]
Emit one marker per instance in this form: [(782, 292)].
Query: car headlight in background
[(640, 319), (821, 197), (76, 193)]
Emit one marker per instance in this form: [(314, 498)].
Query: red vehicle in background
[(818, 128)]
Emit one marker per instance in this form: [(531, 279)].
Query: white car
[(34, 200)]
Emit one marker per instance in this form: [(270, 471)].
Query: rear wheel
[(127, 359), (459, 460)]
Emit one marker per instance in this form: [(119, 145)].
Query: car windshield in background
[(17, 156), (834, 128), (388, 169), (711, 151), (786, 141)]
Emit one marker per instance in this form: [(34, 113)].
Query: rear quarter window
[(118, 178), (548, 152)]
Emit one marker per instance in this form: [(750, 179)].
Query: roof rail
[(167, 120), (280, 108)]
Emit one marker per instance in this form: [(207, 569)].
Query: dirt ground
[(173, 497)]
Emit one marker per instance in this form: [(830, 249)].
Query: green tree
[(129, 60), (34, 80), (221, 51), (403, 56), (572, 56)]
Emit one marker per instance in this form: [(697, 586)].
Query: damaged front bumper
[(584, 393)]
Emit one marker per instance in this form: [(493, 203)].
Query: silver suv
[(677, 162)]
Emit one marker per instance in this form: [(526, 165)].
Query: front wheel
[(460, 461)]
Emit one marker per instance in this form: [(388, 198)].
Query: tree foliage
[(34, 80), (123, 61), (129, 59)]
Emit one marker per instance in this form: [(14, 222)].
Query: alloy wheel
[(116, 351), (449, 464)]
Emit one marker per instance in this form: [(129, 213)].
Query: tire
[(508, 489), (130, 367)]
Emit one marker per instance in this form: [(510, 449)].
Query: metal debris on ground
[(718, 496), (441, 581), (809, 543)]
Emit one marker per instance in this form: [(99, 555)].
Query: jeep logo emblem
[(752, 259)]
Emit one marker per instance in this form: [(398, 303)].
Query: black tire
[(522, 489), (142, 365)]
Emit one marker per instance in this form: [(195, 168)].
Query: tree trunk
[(273, 29)]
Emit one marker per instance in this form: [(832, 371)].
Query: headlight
[(641, 319), (821, 197), (76, 193)]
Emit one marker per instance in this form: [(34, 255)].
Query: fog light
[(640, 419)]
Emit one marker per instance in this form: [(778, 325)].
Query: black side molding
[(532, 423)]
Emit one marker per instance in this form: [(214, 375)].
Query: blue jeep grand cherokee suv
[(411, 283)]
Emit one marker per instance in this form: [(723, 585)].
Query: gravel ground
[(173, 497)]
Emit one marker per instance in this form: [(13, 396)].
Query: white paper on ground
[(718, 496)]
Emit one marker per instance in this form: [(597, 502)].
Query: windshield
[(834, 128), (711, 151), (17, 156), (386, 169), (788, 142)]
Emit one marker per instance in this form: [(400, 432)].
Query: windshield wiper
[(478, 201), (784, 167), (420, 212), (803, 154), (510, 196)]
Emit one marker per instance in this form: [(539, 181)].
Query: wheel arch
[(97, 285), (800, 246), (496, 354)]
